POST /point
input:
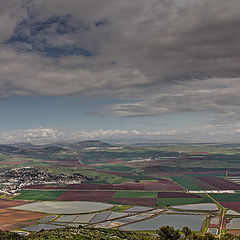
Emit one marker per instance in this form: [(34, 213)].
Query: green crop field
[(181, 201), (134, 194), (189, 183), (116, 167), (40, 195), (226, 197)]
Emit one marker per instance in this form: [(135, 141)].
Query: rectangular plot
[(231, 205), (136, 201), (226, 197), (134, 194), (100, 217), (220, 183), (134, 218), (234, 224), (40, 195), (92, 186), (177, 195), (180, 201), (139, 209), (188, 183), (117, 215), (129, 186), (85, 218), (162, 184), (48, 218), (93, 196), (194, 222), (66, 218), (39, 227)]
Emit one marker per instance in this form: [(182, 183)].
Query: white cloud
[(160, 57), (38, 135), (205, 133)]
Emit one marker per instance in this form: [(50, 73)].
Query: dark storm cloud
[(163, 56)]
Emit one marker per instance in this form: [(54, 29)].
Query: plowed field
[(11, 219), (220, 183), (91, 196)]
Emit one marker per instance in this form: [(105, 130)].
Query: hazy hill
[(90, 144)]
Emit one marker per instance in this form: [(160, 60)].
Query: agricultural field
[(135, 194), (12, 219), (177, 221), (63, 207), (226, 197), (103, 183), (220, 184), (192, 183), (180, 201), (39, 195), (92, 196)]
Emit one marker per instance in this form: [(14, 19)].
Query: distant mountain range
[(90, 144), (21, 148)]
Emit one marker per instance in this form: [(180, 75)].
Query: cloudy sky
[(155, 69)]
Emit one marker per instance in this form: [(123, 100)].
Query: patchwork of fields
[(171, 182)]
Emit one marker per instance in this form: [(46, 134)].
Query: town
[(13, 180)]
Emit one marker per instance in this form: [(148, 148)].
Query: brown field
[(231, 205), (93, 196), (162, 184), (220, 183), (204, 185), (129, 186), (136, 201), (12, 219), (4, 203)]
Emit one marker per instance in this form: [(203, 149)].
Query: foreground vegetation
[(164, 233)]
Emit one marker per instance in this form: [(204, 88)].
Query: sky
[(163, 70)]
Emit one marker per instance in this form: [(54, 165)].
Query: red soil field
[(231, 205), (136, 201), (11, 219), (129, 186), (4, 203), (177, 195), (204, 185), (162, 184), (92, 196), (220, 183)]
